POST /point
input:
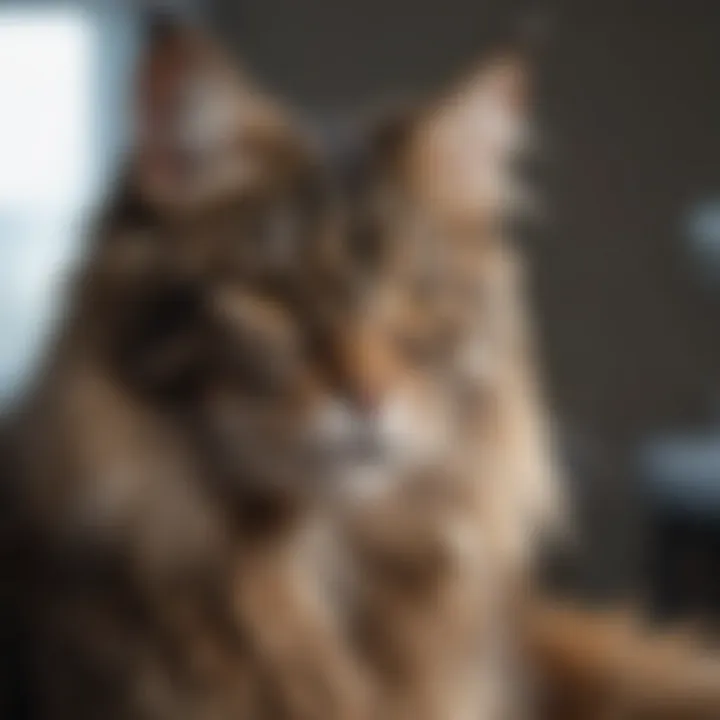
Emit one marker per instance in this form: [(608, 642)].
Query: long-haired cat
[(288, 457)]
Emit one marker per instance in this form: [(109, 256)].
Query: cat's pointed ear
[(201, 127), (462, 148)]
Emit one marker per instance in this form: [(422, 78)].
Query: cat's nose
[(365, 372)]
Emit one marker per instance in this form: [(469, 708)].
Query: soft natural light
[(48, 170), (46, 99)]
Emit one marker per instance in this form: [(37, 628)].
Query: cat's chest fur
[(148, 595), (426, 604)]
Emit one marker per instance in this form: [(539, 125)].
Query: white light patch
[(46, 76), (48, 169)]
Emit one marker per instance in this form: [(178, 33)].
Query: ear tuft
[(198, 120), (464, 147)]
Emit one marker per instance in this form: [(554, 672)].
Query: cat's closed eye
[(257, 339), (160, 341)]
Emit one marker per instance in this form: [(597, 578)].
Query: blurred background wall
[(629, 107)]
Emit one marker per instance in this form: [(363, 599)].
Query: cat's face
[(298, 320), (423, 235)]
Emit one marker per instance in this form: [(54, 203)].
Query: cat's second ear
[(463, 147), (201, 129)]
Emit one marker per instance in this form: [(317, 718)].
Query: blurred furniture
[(681, 483)]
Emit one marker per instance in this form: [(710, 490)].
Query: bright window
[(48, 168), (46, 85)]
